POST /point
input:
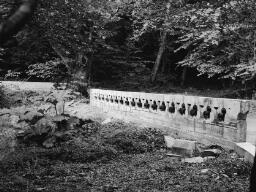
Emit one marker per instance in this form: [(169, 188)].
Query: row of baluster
[(171, 107)]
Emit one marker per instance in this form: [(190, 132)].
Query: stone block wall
[(210, 120)]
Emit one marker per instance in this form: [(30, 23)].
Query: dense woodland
[(171, 45), (132, 43)]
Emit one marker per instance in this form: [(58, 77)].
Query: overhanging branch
[(17, 21)]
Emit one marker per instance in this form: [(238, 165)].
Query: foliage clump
[(129, 139), (4, 101), (53, 70)]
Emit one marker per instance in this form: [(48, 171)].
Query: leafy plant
[(4, 102), (53, 70), (12, 75)]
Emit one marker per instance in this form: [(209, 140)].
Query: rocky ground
[(48, 147)]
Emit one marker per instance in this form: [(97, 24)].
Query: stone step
[(246, 150)]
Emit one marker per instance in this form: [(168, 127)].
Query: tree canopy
[(214, 38)]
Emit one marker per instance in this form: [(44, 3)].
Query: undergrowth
[(4, 102), (115, 157)]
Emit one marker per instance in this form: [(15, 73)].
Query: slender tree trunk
[(79, 60), (159, 57), (89, 69), (183, 76), (164, 63), (17, 21), (162, 46)]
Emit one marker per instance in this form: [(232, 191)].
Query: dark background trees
[(119, 39), (131, 44)]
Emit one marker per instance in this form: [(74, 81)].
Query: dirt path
[(86, 111), (29, 86)]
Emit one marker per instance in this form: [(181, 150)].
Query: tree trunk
[(15, 22), (164, 63), (253, 177), (162, 46), (159, 57), (90, 59), (183, 76), (65, 61), (89, 70)]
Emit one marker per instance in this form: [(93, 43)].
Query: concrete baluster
[(188, 108)]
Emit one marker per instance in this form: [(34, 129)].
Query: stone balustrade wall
[(214, 120)]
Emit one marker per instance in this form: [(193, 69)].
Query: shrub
[(4, 102), (129, 139), (54, 70), (12, 75)]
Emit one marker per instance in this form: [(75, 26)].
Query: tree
[(253, 177), (221, 39), (17, 21), (163, 18), (162, 45), (75, 31)]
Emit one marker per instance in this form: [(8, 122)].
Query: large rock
[(181, 146)]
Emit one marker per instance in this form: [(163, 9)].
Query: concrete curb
[(246, 150)]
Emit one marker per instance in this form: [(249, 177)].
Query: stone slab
[(181, 146), (246, 150)]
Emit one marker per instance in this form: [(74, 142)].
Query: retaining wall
[(208, 120)]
